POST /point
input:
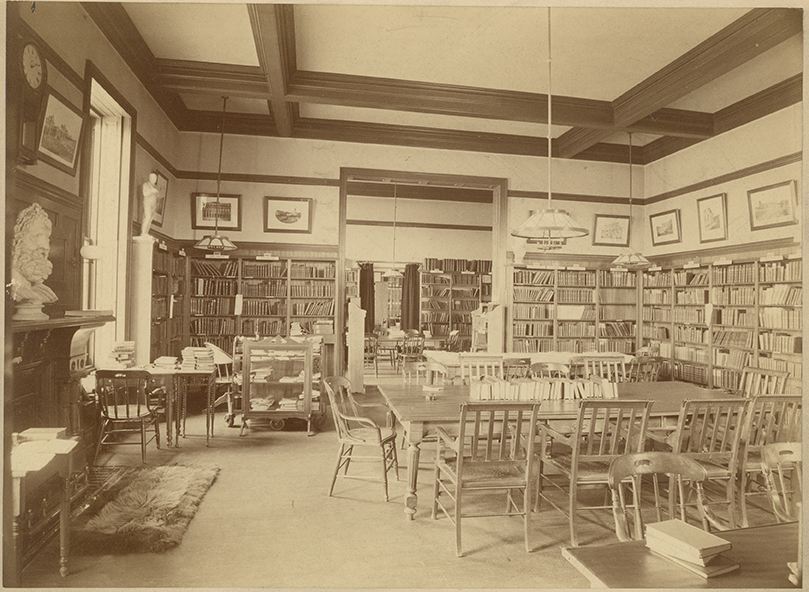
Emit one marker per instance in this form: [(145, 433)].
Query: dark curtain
[(410, 297), (367, 294)]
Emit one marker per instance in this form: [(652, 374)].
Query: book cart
[(277, 384)]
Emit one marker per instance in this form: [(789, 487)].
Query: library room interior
[(403, 296)]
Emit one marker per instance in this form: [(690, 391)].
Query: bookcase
[(451, 290), (712, 320), (168, 292), (575, 310), (255, 297)]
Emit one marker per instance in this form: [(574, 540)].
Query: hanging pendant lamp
[(549, 228), (215, 241), (631, 260), (393, 272)]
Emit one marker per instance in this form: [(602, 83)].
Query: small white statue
[(30, 266), (150, 193)]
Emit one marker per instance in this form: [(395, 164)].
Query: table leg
[(414, 433), (171, 396), (180, 408), (209, 412), (64, 528)]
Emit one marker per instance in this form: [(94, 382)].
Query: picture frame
[(162, 192), (665, 227), (712, 213), (288, 214), (773, 205), (610, 230), (205, 212), (61, 133)]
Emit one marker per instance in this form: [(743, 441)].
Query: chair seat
[(505, 474), (119, 413), (594, 471), (368, 435)]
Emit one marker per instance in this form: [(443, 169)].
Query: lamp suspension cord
[(219, 174), (630, 181), (394, 226), (550, 198)]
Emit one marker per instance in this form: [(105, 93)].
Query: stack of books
[(124, 353), (166, 362), (197, 358), (691, 547)]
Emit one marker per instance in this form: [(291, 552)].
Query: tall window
[(104, 284)]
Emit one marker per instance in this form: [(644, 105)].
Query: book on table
[(718, 566), (691, 547)]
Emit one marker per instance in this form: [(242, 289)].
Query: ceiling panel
[(197, 102), (196, 32)]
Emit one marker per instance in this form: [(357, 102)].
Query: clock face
[(33, 67)]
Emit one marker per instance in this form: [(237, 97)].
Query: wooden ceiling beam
[(271, 28), (749, 36), (214, 79)]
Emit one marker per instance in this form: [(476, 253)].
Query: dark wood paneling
[(267, 179), (432, 226), (232, 80), (426, 192), (543, 196), (657, 149), (778, 96)]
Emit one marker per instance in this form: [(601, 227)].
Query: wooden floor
[(267, 522)]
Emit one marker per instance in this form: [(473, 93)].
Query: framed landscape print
[(665, 227), (206, 213), (773, 205), (162, 190), (713, 218), (60, 139), (288, 214), (611, 230)]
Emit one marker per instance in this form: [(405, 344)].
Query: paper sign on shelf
[(267, 257), (237, 306), (217, 256)]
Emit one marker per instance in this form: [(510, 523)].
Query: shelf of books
[(168, 290), (710, 321), (451, 290), (260, 298), (574, 310)]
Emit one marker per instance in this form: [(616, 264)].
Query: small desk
[(421, 417), (33, 463), (762, 553)]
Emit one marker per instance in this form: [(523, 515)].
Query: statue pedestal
[(140, 316), (29, 310)]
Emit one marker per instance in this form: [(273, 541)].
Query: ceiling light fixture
[(215, 241), (393, 272), (549, 228), (631, 260)]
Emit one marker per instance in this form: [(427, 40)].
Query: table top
[(454, 358), (762, 553), (409, 404)]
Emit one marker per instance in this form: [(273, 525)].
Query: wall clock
[(33, 75), (34, 68)]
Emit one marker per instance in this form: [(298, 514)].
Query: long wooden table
[(420, 417), (762, 553)]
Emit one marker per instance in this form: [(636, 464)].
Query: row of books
[(567, 277), (691, 334), (311, 290), (782, 294), (691, 278), (576, 330), (211, 306), (660, 279), (533, 294), (165, 262), (725, 338), (490, 388), (215, 269), (700, 296), (457, 265), (261, 269), (621, 279), (782, 271), (213, 287), (271, 288), (779, 318), (740, 273), (732, 358), (533, 277), (533, 345), (735, 295), (691, 354), (780, 342), (533, 329), (616, 329), (533, 311), (321, 308), (313, 269), (575, 296)]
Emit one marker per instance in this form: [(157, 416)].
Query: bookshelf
[(451, 290), (168, 291), (574, 309), (710, 321), (257, 297)]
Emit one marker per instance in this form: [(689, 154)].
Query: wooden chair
[(484, 457), (516, 368), (424, 373), (477, 366), (355, 431), (770, 419), (370, 352), (550, 370), (453, 342), (759, 381), (709, 431), (782, 466), (411, 350), (223, 383), (644, 369), (612, 368), (633, 467), (603, 431), (126, 408)]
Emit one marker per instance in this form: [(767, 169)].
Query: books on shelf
[(691, 547)]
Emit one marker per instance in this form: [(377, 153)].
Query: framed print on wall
[(773, 205), (288, 214), (713, 218), (207, 214), (665, 227), (162, 191), (60, 139), (611, 230)]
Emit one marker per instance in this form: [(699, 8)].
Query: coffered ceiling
[(464, 77)]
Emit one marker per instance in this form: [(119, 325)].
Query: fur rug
[(147, 510)]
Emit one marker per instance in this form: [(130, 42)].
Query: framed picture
[(288, 214), (208, 213), (162, 190), (62, 129), (713, 218), (665, 227), (773, 205), (611, 230)]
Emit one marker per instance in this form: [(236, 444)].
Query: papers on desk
[(35, 455), (488, 388), (690, 547), (166, 362)]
